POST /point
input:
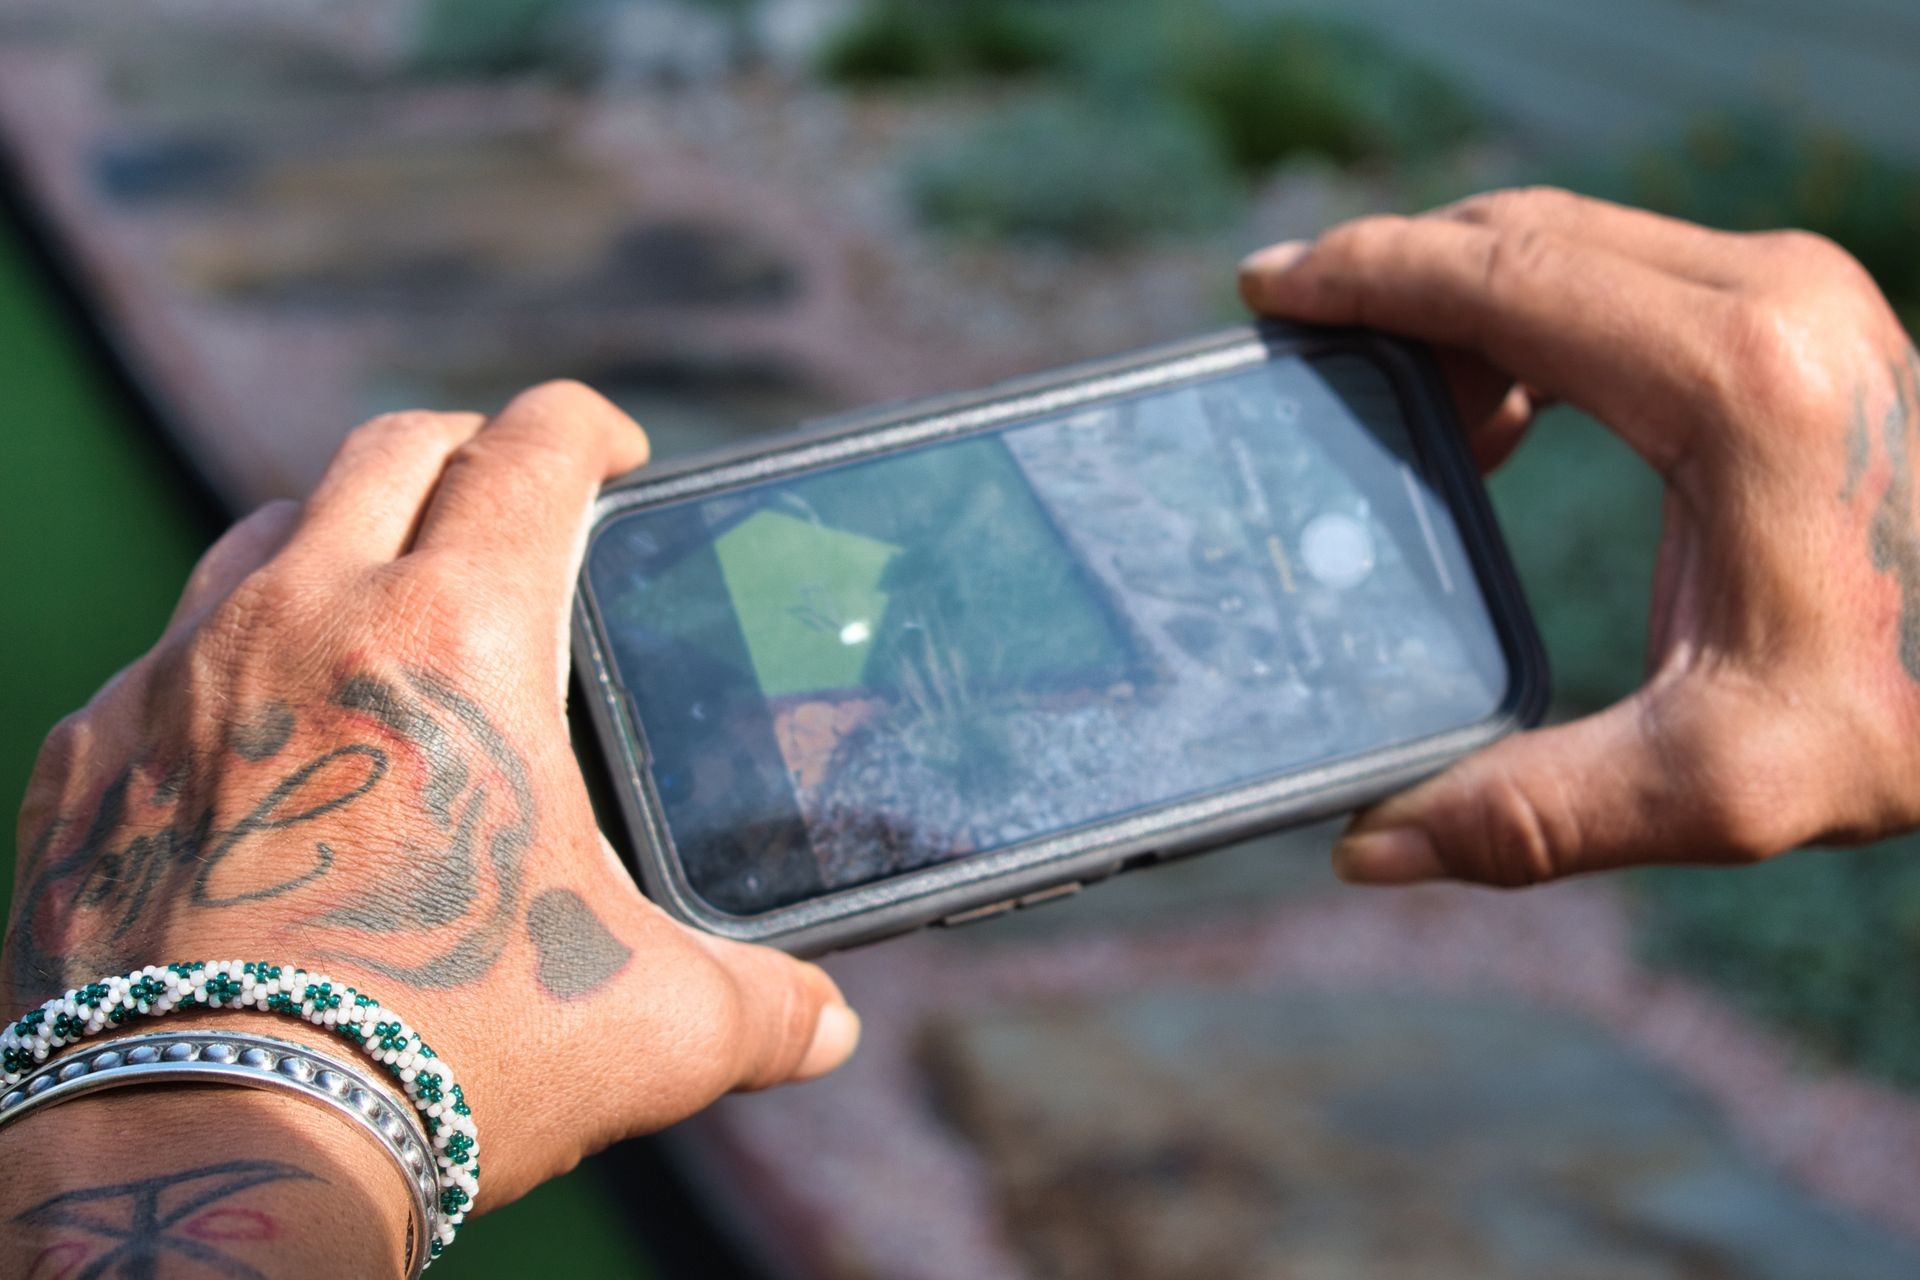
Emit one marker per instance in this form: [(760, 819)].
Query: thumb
[(791, 1023), (1672, 774)]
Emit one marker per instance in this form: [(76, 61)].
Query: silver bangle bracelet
[(259, 1062)]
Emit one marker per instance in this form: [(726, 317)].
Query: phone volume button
[(972, 914), (1050, 894)]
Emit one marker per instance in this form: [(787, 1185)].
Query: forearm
[(196, 1181)]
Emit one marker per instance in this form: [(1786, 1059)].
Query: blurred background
[(234, 229)]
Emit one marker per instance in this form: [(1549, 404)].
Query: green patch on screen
[(852, 579), (808, 599)]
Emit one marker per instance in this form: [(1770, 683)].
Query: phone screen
[(864, 670)]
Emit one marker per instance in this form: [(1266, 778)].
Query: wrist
[(231, 1177), (421, 1122)]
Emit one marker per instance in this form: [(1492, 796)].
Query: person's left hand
[(1767, 381), (349, 751)]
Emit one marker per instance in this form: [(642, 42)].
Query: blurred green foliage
[(1753, 171), (1274, 85), (1581, 513), (1213, 93), (489, 37), (1079, 170), (571, 1226), (908, 40), (560, 40), (1823, 942)]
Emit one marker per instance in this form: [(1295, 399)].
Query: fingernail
[(1398, 855), (1274, 259), (834, 1039)]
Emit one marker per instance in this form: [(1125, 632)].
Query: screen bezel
[(1039, 867)]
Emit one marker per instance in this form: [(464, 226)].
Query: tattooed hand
[(1768, 382), (349, 750)]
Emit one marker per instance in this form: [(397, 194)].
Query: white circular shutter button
[(1337, 550)]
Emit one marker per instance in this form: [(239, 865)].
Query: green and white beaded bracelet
[(350, 1014)]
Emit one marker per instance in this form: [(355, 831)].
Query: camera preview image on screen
[(870, 669)]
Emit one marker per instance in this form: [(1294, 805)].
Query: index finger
[(1719, 259), (1628, 343), (515, 496)]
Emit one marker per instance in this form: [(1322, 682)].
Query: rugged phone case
[(1042, 869)]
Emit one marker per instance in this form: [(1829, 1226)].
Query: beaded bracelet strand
[(350, 1014)]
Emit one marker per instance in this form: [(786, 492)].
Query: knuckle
[(202, 578), (1514, 255), (793, 1029), (563, 405), (278, 511), (1362, 239), (261, 603), (1798, 247), (1768, 358), (560, 394), (425, 599), (1516, 204), (1519, 848), (400, 422), (753, 1025), (1338, 274), (1546, 195), (248, 535), (66, 760), (261, 619), (65, 746), (397, 432), (1812, 268), (434, 605), (718, 1041), (502, 458)]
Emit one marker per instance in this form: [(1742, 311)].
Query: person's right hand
[(349, 751), (1768, 382)]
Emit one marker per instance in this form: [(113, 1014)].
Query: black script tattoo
[(174, 1216), (178, 861), (577, 954), (454, 895), (266, 816), (1892, 538)]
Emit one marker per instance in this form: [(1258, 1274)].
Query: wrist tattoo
[(130, 1229)]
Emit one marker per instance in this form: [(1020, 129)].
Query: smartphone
[(938, 661)]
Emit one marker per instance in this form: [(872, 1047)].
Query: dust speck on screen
[(867, 670)]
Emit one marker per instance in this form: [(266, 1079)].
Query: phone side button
[(972, 914), (1050, 894)]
